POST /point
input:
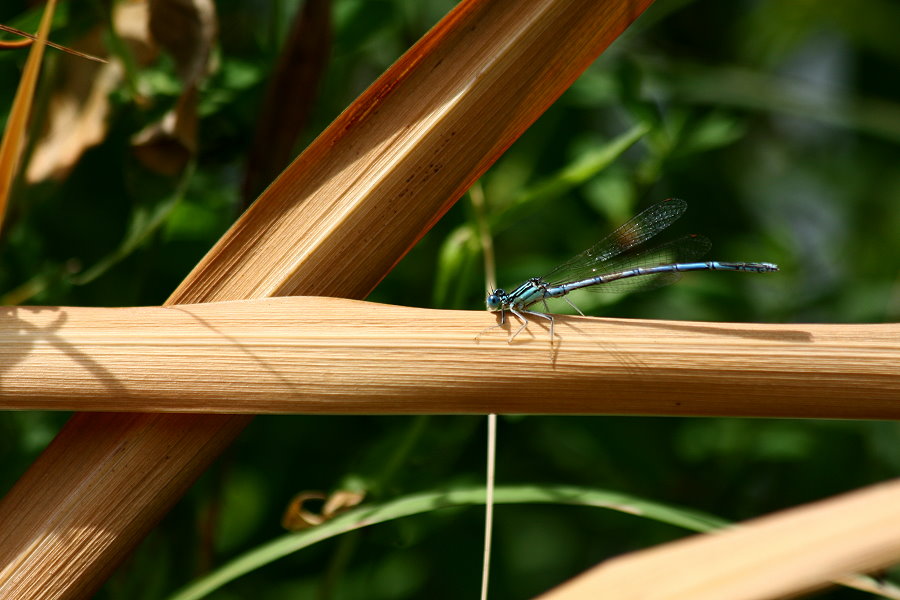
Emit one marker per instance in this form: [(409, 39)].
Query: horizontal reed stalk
[(328, 355), (777, 556)]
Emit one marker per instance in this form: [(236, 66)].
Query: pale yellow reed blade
[(328, 355)]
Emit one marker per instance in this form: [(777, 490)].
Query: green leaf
[(427, 502)]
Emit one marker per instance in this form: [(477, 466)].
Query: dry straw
[(328, 355), (777, 556)]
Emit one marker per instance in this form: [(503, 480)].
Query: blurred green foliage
[(778, 121)]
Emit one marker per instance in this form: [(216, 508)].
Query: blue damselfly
[(611, 263)]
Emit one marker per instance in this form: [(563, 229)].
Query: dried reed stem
[(777, 556), (333, 224), (327, 355)]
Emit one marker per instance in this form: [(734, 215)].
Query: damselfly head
[(495, 300)]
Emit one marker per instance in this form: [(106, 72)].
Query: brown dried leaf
[(187, 30), (78, 111), (340, 501), (297, 518), (166, 146)]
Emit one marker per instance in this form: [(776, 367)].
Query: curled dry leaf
[(297, 518)]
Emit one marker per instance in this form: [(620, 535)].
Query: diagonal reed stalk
[(776, 556), (330, 355), (332, 224)]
